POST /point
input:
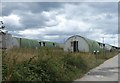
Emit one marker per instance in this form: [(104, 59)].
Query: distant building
[(7, 41), (78, 43)]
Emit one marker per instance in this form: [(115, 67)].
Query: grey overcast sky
[(56, 21)]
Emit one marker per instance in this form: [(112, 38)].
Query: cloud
[(58, 21), (60, 1), (12, 22), (34, 7)]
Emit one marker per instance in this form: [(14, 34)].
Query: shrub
[(47, 64)]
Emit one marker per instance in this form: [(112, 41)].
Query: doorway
[(75, 46)]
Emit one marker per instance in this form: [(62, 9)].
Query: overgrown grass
[(46, 64)]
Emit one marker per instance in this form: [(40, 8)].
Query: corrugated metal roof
[(29, 43), (93, 45)]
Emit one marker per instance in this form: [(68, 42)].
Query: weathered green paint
[(93, 45), (29, 43)]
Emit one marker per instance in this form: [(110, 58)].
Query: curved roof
[(74, 36), (29, 43), (93, 45)]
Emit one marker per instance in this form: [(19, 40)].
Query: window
[(43, 43), (53, 44), (99, 43), (103, 45), (40, 43)]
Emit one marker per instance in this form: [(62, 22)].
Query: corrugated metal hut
[(78, 43), (29, 43), (108, 47)]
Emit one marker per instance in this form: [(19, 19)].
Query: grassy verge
[(48, 64)]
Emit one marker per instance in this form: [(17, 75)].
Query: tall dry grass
[(45, 64)]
